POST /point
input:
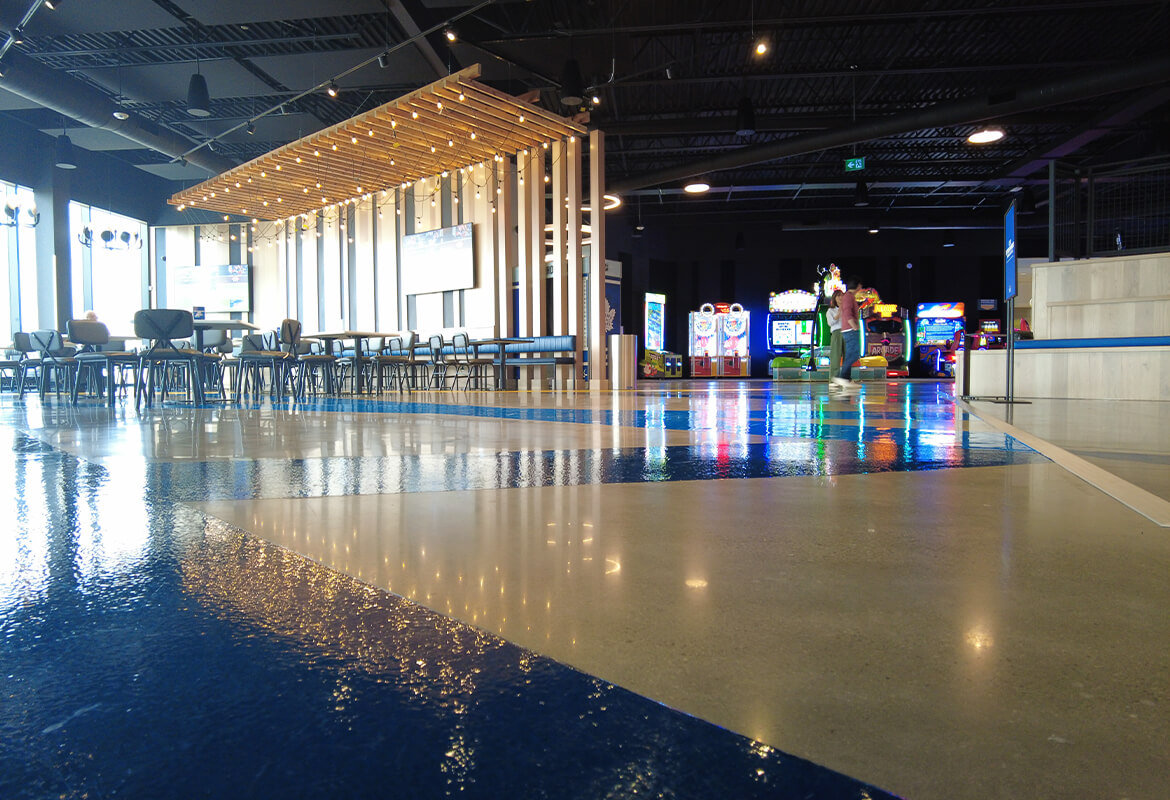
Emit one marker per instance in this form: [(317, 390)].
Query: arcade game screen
[(655, 322), (792, 332), (938, 323)]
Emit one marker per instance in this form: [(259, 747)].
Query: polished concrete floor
[(879, 583)]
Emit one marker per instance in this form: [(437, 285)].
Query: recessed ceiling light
[(986, 136)]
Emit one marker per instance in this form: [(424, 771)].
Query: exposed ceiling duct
[(977, 109), (68, 96)]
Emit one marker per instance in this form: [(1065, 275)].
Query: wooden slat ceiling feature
[(453, 123)]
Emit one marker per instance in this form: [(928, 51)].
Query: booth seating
[(542, 351)]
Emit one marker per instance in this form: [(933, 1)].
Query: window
[(109, 277), (19, 309)]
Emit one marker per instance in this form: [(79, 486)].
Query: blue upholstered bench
[(1117, 341), (542, 351)]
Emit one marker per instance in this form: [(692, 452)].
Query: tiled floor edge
[(1145, 503)]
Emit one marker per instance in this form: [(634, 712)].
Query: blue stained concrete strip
[(146, 653), (247, 478)]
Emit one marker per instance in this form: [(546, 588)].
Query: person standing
[(833, 317), (850, 336)]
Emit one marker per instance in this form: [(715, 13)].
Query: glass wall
[(109, 265)]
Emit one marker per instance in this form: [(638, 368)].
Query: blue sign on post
[(1009, 252)]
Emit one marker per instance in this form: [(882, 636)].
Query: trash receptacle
[(623, 361)]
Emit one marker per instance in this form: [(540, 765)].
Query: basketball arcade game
[(719, 341), (938, 334)]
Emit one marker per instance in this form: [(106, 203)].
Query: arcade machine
[(887, 332), (719, 341), (733, 342), (703, 342), (658, 363), (991, 335), (935, 330), (794, 317)]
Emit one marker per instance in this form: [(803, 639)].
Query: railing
[(1109, 209)]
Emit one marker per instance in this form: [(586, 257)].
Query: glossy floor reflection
[(506, 595), (1129, 438)]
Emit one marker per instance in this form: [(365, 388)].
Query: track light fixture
[(697, 186), (53, 5), (332, 90), (861, 194), (451, 34), (251, 129), (384, 60)]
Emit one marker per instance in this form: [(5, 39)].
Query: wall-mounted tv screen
[(441, 260), (215, 287)]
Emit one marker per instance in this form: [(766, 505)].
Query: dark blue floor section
[(197, 664)]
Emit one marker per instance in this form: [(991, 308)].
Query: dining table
[(502, 379), (358, 338), (201, 325)]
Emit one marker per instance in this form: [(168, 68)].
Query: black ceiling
[(901, 84)]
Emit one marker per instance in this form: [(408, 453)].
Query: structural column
[(598, 361), (575, 264), (503, 199)]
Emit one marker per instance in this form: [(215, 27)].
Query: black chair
[(95, 364), (258, 352), (57, 364), (472, 365), (26, 361), (438, 362), (162, 327), (310, 365), (397, 362)]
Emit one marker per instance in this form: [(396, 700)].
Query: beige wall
[(1122, 296), (1089, 299)]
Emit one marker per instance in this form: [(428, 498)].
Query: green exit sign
[(854, 164)]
